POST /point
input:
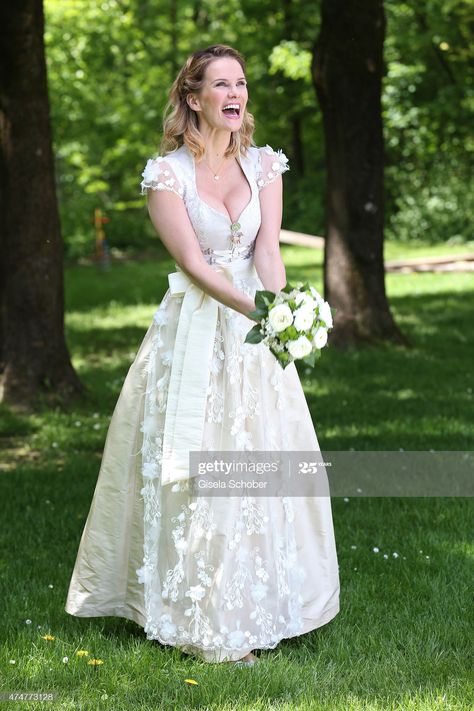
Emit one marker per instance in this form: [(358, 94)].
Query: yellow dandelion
[(82, 653), (48, 637), (95, 662), (191, 681)]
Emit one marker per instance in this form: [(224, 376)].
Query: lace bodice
[(220, 239)]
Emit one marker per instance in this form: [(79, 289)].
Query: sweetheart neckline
[(206, 204)]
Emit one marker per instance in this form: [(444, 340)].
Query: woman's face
[(222, 100)]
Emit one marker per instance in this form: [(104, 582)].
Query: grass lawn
[(403, 638)]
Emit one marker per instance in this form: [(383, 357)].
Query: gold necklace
[(216, 174)]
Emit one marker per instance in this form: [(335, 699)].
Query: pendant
[(216, 177)]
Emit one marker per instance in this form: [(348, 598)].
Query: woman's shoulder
[(165, 172), (269, 163)]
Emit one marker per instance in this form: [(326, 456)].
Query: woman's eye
[(223, 83)]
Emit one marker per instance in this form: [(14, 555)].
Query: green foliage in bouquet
[(282, 341)]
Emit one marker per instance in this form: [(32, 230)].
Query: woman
[(215, 576)]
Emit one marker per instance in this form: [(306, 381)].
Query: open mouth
[(232, 110)]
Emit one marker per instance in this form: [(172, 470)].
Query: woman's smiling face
[(222, 100)]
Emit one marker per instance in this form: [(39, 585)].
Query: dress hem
[(208, 655)]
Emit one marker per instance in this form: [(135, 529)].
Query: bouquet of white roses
[(294, 323)]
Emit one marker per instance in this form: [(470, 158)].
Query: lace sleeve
[(159, 175), (271, 164)]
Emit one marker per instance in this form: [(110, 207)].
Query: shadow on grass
[(401, 632)]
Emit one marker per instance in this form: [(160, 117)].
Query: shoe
[(246, 662)]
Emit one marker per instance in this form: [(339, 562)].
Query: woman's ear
[(193, 103)]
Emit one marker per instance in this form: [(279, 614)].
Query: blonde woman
[(216, 576)]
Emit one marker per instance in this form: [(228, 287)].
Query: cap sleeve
[(270, 165), (160, 175)]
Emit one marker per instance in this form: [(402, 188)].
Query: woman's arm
[(268, 261), (171, 220)]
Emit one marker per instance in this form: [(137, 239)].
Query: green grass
[(404, 634)]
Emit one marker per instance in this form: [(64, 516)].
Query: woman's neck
[(216, 144)]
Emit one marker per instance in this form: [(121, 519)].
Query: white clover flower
[(280, 317), (303, 318), (320, 338), (300, 348), (65, 660), (375, 549)]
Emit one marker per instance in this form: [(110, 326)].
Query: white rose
[(300, 348), (320, 338), (304, 318), (305, 300), (325, 313), (316, 294), (280, 317)]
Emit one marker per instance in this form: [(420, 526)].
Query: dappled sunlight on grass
[(404, 563)]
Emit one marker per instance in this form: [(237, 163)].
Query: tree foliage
[(111, 63)]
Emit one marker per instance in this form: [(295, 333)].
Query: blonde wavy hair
[(180, 122)]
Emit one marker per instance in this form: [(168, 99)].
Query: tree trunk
[(347, 70), (34, 352)]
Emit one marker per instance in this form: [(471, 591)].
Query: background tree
[(111, 63), (34, 352), (347, 71)]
